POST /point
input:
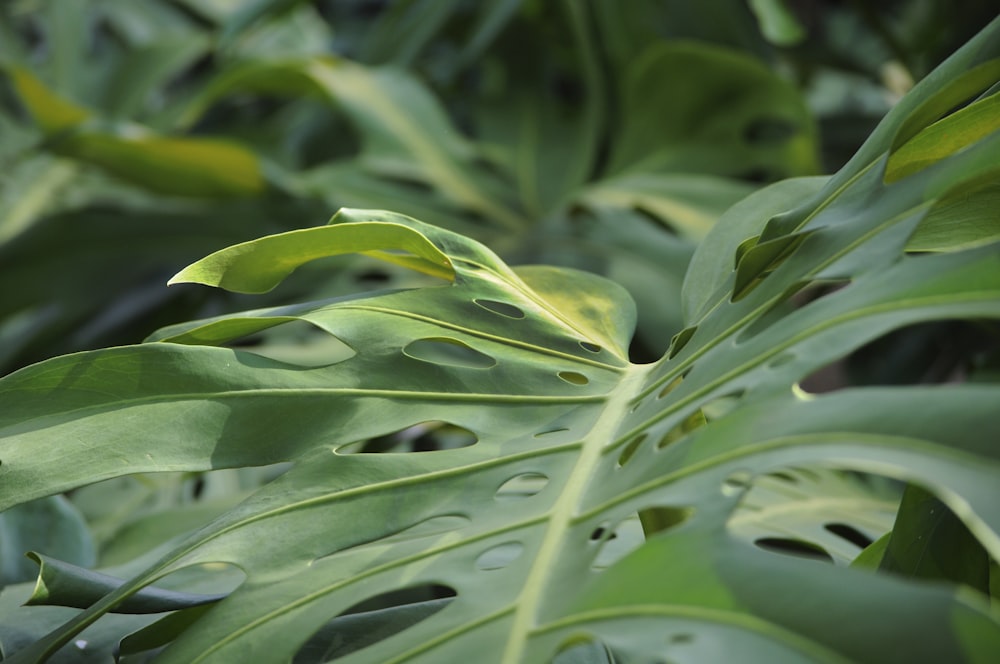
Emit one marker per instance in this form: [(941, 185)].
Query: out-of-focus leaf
[(777, 22), (839, 513), (52, 112), (406, 133), (701, 109), (180, 166), (688, 205)]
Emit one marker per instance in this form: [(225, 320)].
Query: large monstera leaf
[(508, 542)]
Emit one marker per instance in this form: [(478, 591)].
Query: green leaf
[(688, 204), (179, 166), (836, 512), (260, 265), (62, 584), (705, 109), (945, 137), (52, 113), (566, 443), (777, 22), (930, 542), (714, 259), (51, 525), (416, 144), (967, 217)]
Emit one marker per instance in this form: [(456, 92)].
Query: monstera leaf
[(514, 540)]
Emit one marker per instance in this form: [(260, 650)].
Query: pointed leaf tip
[(260, 265)]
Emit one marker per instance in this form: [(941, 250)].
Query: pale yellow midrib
[(564, 510)]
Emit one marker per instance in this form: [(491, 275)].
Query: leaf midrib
[(561, 515)]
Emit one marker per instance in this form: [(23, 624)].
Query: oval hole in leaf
[(574, 378), (793, 547), (298, 343), (681, 638), (524, 485), (631, 448), (372, 620), (592, 348), (599, 532), (785, 477), (447, 351), (502, 308), (737, 483), (499, 556), (618, 543), (672, 385), (692, 422), (430, 436), (680, 340), (849, 533), (550, 432), (372, 275)]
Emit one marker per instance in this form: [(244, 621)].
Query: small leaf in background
[(777, 22)]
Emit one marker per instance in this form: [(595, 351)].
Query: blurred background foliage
[(137, 136)]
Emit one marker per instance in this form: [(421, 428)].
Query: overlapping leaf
[(571, 440)]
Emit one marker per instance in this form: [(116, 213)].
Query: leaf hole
[(793, 547), (631, 449), (680, 340), (681, 638), (670, 387), (849, 533), (296, 343), (721, 405), (589, 347), (600, 532), (574, 378), (614, 544), (373, 620), (784, 477), (499, 556), (501, 308), (449, 352), (520, 486), (549, 432), (430, 436), (795, 297), (372, 276), (737, 483), (692, 422)]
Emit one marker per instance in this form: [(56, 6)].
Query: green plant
[(199, 128), (516, 538)]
